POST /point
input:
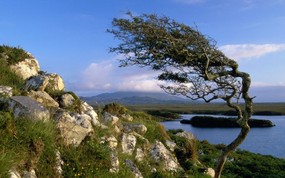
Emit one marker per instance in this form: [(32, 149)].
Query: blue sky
[(69, 37)]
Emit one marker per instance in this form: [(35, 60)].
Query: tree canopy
[(190, 63)]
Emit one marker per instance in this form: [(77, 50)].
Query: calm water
[(266, 141)]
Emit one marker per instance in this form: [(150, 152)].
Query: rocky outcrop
[(138, 128), (44, 98), (26, 68), (136, 172), (109, 118), (87, 109), (66, 100), (24, 106), (55, 83), (128, 143), (162, 155), (73, 128)]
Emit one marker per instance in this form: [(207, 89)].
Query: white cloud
[(106, 76), (247, 51)]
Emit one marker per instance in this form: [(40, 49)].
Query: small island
[(222, 122)]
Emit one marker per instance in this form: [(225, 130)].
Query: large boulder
[(128, 143), (66, 100), (87, 109), (26, 68), (162, 155), (73, 128), (138, 128), (109, 118), (24, 106), (36, 83), (187, 135), (44, 98), (136, 172), (55, 83)]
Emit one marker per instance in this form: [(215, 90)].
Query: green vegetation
[(115, 109), (210, 108), (242, 164), (9, 78), (19, 140), (13, 55)]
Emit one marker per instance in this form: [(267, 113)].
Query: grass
[(210, 108), (13, 54), (17, 139)]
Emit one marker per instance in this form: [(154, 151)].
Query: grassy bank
[(212, 108)]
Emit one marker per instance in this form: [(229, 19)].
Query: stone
[(162, 155), (114, 162), (44, 98), (38, 83), (128, 143), (24, 106), (6, 91), (73, 128), (112, 141), (58, 164), (171, 145), (138, 128), (55, 83), (133, 168), (14, 174), (26, 68), (66, 100), (186, 135), (109, 118), (87, 109), (127, 117), (29, 174), (139, 155), (210, 172)]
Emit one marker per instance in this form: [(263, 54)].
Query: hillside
[(129, 98), (47, 131)]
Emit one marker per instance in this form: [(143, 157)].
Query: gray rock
[(24, 106), (44, 98), (127, 117), (73, 128), (138, 128), (66, 100), (112, 141), (114, 162), (133, 168), (162, 155), (59, 163), (87, 109), (55, 83), (186, 135), (128, 143), (26, 68), (6, 91), (38, 83), (171, 145), (139, 155), (109, 118)]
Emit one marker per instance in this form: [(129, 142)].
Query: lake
[(266, 141)]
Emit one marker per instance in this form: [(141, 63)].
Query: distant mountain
[(129, 98)]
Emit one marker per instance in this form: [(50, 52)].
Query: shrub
[(13, 54), (115, 109)]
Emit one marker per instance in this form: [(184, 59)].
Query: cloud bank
[(249, 51)]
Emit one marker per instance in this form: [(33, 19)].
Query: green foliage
[(75, 107), (115, 109), (164, 115), (16, 138), (242, 164), (13, 54), (9, 78)]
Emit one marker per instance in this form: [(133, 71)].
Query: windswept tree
[(189, 62)]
